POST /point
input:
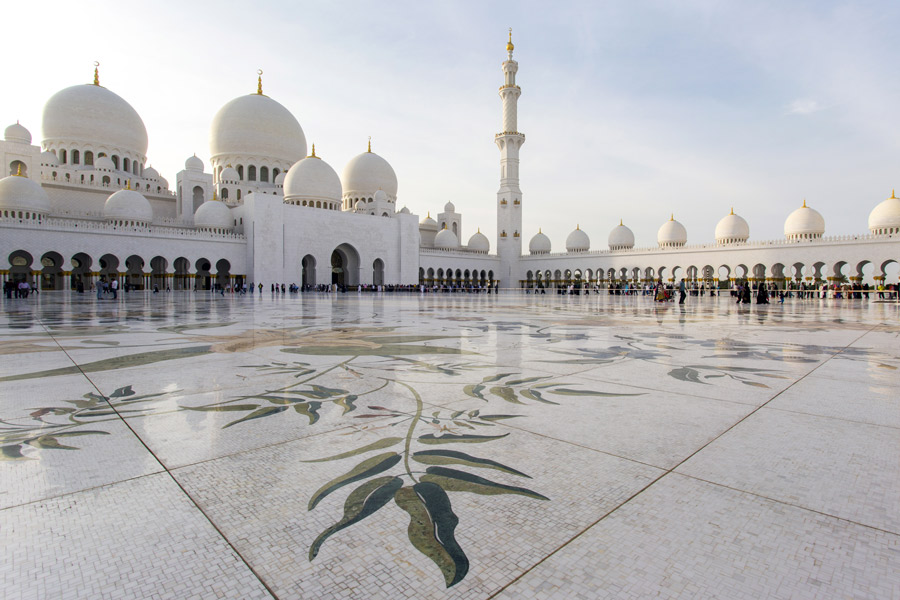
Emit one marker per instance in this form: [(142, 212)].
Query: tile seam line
[(166, 470), (671, 470)]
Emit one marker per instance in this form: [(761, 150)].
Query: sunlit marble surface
[(515, 446)]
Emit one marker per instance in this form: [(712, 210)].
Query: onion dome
[(193, 164), (127, 205), (229, 175), (255, 125), (404, 211), (104, 163), (213, 215), (732, 229), (885, 218), (446, 240), (366, 173), (91, 114), (150, 174), (539, 244), (312, 179), (19, 193), (578, 241), (479, 243), (380, 196), (428, 223), (48, 159), (449, 207), (804, 223), (17, 133), (621, 237), (672, 234)]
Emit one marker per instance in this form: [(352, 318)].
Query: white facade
[(267, 213)]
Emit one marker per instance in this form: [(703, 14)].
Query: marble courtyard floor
[(448, 446)]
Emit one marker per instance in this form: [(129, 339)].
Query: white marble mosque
[(85, 204)]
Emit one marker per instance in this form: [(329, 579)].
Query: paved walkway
[(189, 445)]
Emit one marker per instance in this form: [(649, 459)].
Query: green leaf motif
[(310, 409), (536, 395), (475, 391), (432, 523), (686, 374), (498, 377), (12, 452), (430, 438), (362, 502), (460, 481), (493, 418), (507, 393), (379, 445), (452, 457), (569, 392), (222, 407), (258, 414), (347, 403), (364, 470), (528, 380), (122, 391)]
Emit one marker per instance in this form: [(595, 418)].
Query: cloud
[(804, 106)]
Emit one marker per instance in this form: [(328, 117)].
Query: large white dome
[(539, 244), (213, 214), (885, 218), (732, 229), (428, 223), (312, 179), (672, 233), (128, 205), (230, 175), (91, 114), (257, 126), (19, 193), (804, 223), (621, 237), (17, 133), (446, 240), (479, 243), (578, 241), (365, 174), (193, 164)]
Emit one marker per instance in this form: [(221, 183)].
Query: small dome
[(151, 174), (621, 237), (671, 234), (312, 179), (127, 205), (885, 218), (446, 240), (17, 133), (213, 214), (104, 163), (578, 241), (804, 223), (193, 164), (49, 159), (229, 174), (404, 211), (428, 223), (732, 229), (255, 125), (366, 173), (449, 207), (479, 242), (279, 179), (380, 196), (539, 244), (21, 193), (91, 114)]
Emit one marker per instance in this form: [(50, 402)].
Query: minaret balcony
[(504, 87)]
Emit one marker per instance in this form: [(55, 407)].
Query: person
[(762, 295), (681, 293), (260, 288), (99, 289), (114, 287), (155, 288)]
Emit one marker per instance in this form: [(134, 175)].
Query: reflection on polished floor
[(183, 445)]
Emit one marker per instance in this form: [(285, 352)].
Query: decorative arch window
[(126, 164), (224, 193), (239, 195), (115, 160), (251, 173), (240, 170), (105, 179), (275, 173), (76, 157), (264, 174), (63, 157), (88, 158)]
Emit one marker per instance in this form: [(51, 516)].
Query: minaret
[(509, 196)]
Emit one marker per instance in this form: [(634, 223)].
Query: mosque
[(85, 205)]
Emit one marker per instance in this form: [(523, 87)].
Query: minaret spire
[(259, 73), (509, 196), (96, 73)]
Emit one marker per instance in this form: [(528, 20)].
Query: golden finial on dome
[(621, 224), (370, 144), (259, 73), (578, 227), (672, 218), (313, 155), (429, 214), (804, 203), (479, 230), (892, 195), (215, 198), (96, 73), (732, 210), (509, 44), (127, 184), (19, 170), (539, 230)]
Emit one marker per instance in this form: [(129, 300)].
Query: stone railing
[(75, 225), (465, 252)]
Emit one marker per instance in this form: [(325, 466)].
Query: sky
[(632, 110)]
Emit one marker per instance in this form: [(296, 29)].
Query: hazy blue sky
[(632, 109)]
